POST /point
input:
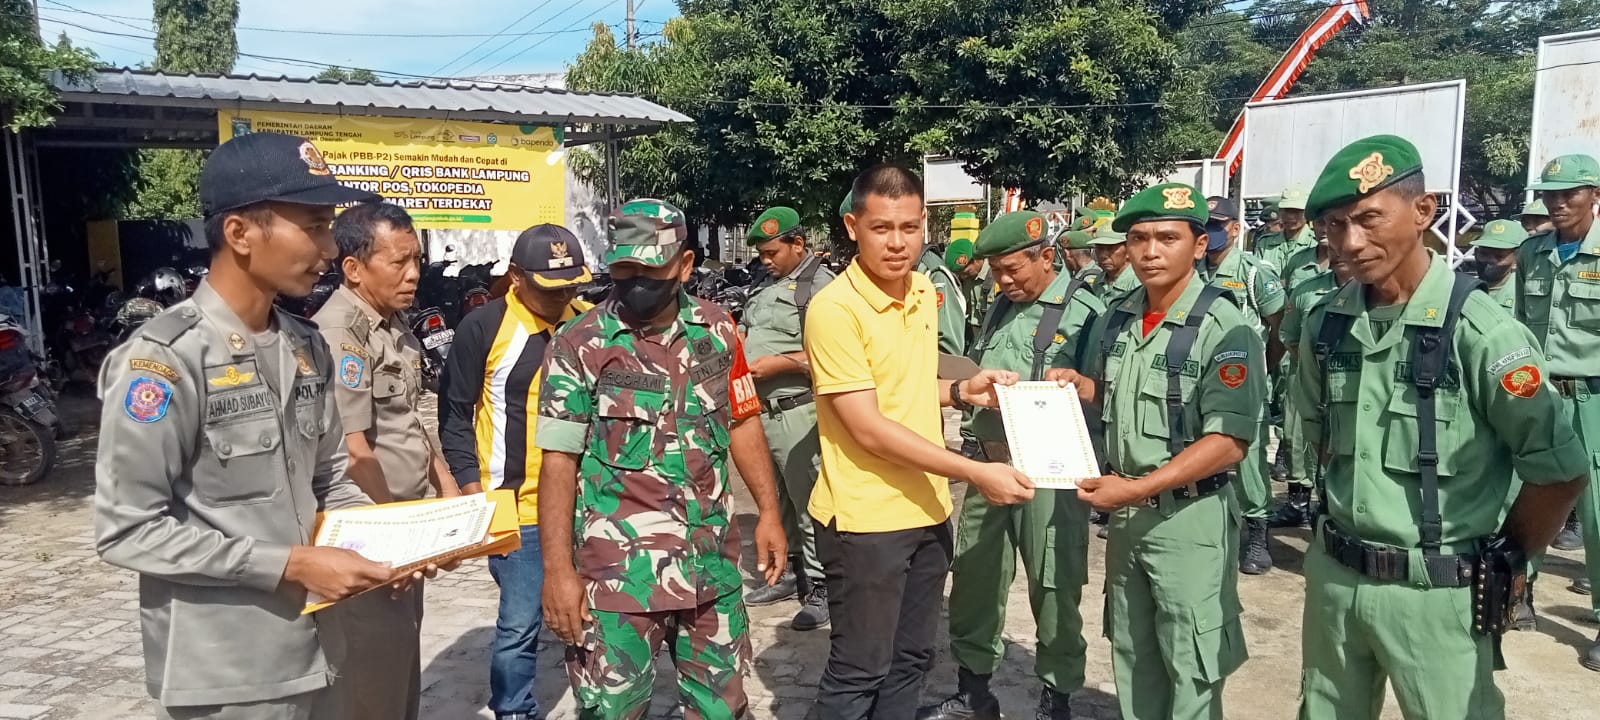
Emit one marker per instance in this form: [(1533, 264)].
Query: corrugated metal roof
[(463, 100)]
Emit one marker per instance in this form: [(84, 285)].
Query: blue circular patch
[(147, 399), (350, 369)]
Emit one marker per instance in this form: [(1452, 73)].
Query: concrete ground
[(69, 636)]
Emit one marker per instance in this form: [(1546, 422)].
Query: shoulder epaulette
[(167, 327)]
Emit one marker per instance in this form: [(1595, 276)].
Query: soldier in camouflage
[(645, 397)]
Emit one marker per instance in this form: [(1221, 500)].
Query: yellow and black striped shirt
[(489, 399)]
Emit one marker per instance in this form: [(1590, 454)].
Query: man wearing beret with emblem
[(645, 400), (220, 442), (1422, 401), (1255, 288), (1041, 321), (1079, 253), (774, 319), (1558, 298), (1180, 376)]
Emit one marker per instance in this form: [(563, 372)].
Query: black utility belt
[(1392, 564), (1569, 386), (1198, 489), (785, 404)]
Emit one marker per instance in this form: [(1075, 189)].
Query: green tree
[(196, 36), (26, 97), (356, 75), (192, 36)]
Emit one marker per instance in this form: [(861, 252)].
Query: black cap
[(263, 166), (1222, 208), (551, 255)]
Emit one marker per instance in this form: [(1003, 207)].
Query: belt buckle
[(1154, 501)]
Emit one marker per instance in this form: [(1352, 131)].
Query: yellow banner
[(447, 173)]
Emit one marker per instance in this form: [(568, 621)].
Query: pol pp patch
[(350, 369), (147, 399)]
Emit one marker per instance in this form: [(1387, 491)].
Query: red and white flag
[(1289, 68)]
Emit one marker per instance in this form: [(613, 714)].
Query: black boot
[(972, 701), (786, 588), (1591, 660), (813, 607), (1280, 464), (1254, 559), (1581, 586), (1527, 619), (1053, 706), (1295, 511), (1571, 536)]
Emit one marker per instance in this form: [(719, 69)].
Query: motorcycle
[(80, 341), (436, 337), (134, 312), (28, 418)]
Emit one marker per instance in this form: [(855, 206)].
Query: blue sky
[(543, 41)]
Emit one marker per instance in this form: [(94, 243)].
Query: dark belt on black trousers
[(1569, 386), (785, 404), (1388, 563)]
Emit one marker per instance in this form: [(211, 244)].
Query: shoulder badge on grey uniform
[(167, 327)]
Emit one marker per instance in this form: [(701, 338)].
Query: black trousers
[(884, 593)]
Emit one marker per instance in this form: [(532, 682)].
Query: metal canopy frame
[(126, 109)]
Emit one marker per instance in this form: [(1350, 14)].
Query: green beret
[(1076, 240), (1361, 169), (1501, 234), (959, 254), (1293, 199), (1011, 232), (1535, 208), (1568, 172), (1107, 236), (1168, 201), (845, 206), (774, 223)]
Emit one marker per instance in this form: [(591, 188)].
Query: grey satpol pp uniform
[(215, 456)]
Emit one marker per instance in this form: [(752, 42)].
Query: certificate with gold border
[(1048, 435)]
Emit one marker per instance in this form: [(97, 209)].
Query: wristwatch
[(955, 397)]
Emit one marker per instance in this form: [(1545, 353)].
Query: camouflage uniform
[(649, 412)]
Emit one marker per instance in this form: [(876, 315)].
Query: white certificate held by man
[(1048, 435)]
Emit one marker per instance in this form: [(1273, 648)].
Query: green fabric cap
[(1362, 168), (1011, 232), (774, 223), (1271, 214), (1168, 201), (1076, 240), (1567, 172), (1293, 199), (845, 206), (959, 254), (1535, 208), (1502, 234), (1107, 236), (645, 231)]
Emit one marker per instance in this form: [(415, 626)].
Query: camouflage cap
[(1361, 169), (1107, 236), (1011, 232), (1167, 201), (959, 254), (645, 231), (1502, 235), (1568, 172), (775, 223)]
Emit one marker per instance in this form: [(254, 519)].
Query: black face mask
[(1492, 274), (645, 297)]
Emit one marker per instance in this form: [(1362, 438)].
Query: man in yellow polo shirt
[(882, 504)]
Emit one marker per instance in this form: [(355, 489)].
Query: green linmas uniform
[(1560, 303), (1110, 291), (772, 321), (1255, 287), (978, 294), (1302, 299), (1495, 416), (649, 413), (952, 310), (1275, 249), (1051, 532), (1172, 603)]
